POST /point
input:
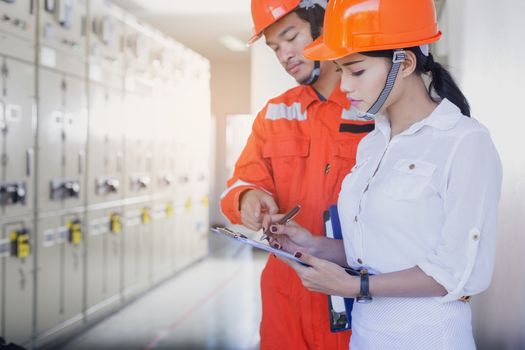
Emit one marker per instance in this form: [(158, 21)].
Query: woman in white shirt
[(419, 209)]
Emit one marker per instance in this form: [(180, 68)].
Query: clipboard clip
[(226, 231)]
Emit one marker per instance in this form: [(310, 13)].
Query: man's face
[(287, 38)]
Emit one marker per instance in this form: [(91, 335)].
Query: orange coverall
[(299, 151)]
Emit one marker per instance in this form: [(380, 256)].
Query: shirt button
[(360, 261), (412, 166), (355, 219), (475, 237)]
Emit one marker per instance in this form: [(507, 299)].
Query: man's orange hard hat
[(267, 12)]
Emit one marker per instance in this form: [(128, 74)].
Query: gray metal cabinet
[(17, 280), (62, 141), (60, 282), (106, 145), (104, 259), (17, 127), (137, 247)]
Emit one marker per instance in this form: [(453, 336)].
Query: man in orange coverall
[(302, 145)]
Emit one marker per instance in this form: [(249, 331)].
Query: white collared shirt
[(428, 197)]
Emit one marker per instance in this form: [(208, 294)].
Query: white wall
[(269, 79), (230, 94), (485, 44)]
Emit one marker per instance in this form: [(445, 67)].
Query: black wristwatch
[(364, 293)]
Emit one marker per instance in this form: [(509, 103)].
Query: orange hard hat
[(267, 12), (352, 26)]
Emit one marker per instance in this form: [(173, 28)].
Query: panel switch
[(64, 189), (105, 185), (13, 193)]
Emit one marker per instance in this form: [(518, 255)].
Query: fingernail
[(298, 255), (264, 229), (273, 229)]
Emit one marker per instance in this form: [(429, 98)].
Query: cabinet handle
[(29, 161)]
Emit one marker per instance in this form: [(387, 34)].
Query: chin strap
[(314, 75), (307, 5), (397, 59)]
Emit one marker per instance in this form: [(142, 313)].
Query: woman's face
[(363, 78)]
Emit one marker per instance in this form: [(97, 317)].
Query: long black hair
[(442, 82)]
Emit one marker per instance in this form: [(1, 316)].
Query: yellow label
[(115, 225), (205, 201), (24, 249), (188, 204), (169, 210), (21, 241), (75, 232), (145, 215)]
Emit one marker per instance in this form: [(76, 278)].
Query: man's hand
[(255, 203)]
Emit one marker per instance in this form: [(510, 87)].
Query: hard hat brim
[(253, 39), (319, 51)]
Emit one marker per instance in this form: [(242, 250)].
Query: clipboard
[(239, 237)]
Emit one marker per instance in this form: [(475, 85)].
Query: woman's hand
[(323, 276), (290, 237)]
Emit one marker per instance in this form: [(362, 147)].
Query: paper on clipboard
[(239, 237)]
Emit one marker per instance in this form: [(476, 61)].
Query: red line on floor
[(171, 328)]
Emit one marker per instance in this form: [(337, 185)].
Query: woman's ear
[(409, 65)]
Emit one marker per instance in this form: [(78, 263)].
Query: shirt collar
[(308, 96), (444, 117)]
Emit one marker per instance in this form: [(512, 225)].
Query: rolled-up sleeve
[(463, 259)]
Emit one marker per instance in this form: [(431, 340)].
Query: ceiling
[(197, 24)]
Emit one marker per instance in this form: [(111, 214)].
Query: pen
[(285, 219)]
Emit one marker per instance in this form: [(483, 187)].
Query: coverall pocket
[(408, 178), (288, 156), (344, 153)]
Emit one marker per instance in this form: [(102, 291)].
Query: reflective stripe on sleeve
[(283, 111)]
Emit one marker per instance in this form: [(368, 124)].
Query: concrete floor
[(214, 304)]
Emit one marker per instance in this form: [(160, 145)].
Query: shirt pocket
[(408, 178), (288, 157)]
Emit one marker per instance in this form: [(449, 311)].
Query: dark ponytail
[(442, 83)]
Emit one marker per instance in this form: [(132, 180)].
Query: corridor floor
[(214, 304)]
